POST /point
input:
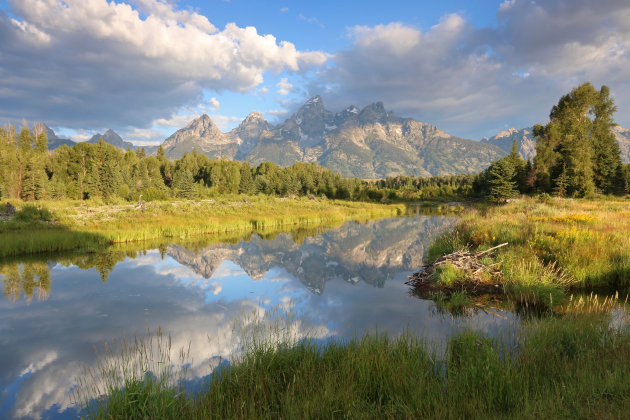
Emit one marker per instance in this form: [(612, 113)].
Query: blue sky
[(147, 67)]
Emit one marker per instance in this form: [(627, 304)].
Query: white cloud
[(466, 80), (176, 121), (313, 20), (81, 136), (225, 122), (284, 87), (277, 112), (214, 104), (284, 10), (142, 134), (103, 55)]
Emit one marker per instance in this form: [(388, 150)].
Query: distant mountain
[(623, 138), (525, 141), (204, 136), (53, 140), (247, 134), (527, 144), (368, 143), (112, 138)]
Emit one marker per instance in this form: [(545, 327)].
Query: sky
[(145, 68)]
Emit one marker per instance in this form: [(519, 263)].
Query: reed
[(573, 366)]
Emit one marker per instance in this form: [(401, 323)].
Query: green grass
[(556, 246), (448, 275), (57, 226), (574, 366)]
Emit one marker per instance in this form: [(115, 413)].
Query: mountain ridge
[(366, 143)]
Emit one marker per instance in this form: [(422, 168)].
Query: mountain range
[(110, 137), (366, 143)]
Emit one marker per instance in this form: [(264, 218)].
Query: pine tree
[(183, 183), (606, 152), (561, 183), (500, 178), (581, 149)]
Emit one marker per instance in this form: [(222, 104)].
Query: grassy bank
[(574, 366), (555, 247), (57, 226)]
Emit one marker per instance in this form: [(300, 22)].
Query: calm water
[(340, 283)]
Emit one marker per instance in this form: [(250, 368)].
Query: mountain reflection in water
[(342, 282)]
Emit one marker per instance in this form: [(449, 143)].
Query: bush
[(30, 213)]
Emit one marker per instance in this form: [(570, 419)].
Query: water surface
[(340, 283)]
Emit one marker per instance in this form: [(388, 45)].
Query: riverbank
[(57, 226), (574, 366), (555, 247)]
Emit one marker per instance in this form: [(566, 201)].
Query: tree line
[(29, 171), (577, 154)]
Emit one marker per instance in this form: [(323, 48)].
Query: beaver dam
[(473, 272)]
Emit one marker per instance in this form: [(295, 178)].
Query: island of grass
[(55, 226), (555, 247)]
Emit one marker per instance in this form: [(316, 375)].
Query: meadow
[(56, 226), (556, 247)]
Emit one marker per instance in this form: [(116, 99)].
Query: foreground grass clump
[(555, 246), (573, 366), (77, 225)]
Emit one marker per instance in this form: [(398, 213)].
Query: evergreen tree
[(606, 152), (246, 185), (561, 183), (183, 183), (500, 179), (572, 144)]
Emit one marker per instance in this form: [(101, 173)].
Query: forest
[(29, 171)]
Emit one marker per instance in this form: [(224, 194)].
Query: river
[(340, 283)]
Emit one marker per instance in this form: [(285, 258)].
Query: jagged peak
[(315, 103), (376, 106), (314, 99), (204, 120), (254, 117), (507, 133)]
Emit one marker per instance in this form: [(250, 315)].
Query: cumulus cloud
[(471, 81), (80, 67), (214, 104), (284, 87)]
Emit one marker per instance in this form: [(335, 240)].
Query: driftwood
[(424, 281)]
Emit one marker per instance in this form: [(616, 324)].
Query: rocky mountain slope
[(527, 144), (53, 140), (112, 138), (367, 143)]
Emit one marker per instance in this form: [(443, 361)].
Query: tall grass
[(84, 226), (574, 366), (556, 246)]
